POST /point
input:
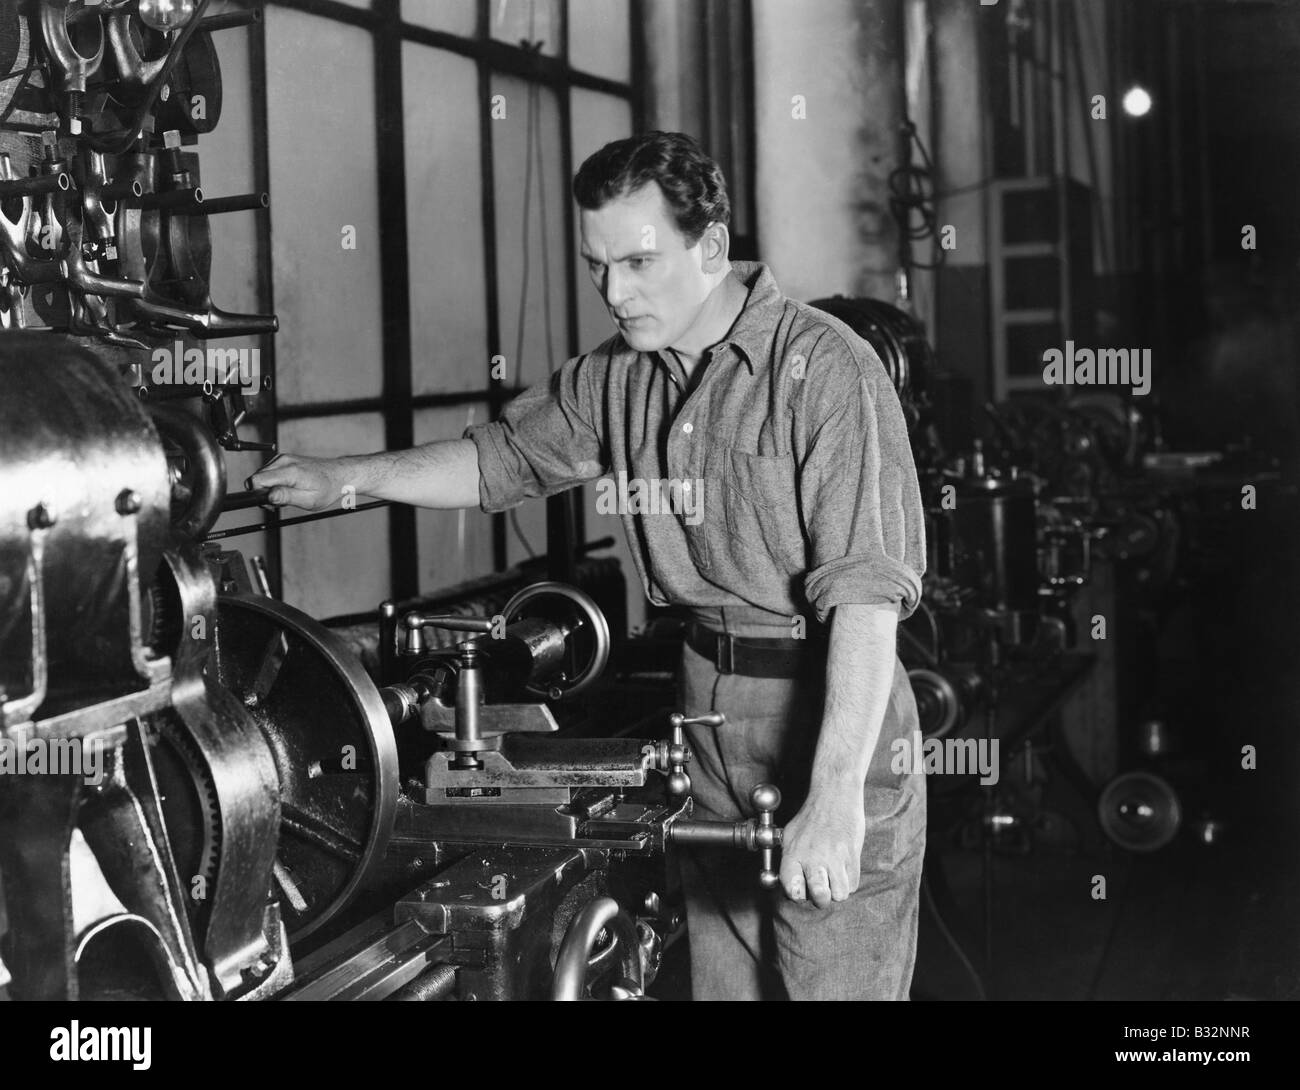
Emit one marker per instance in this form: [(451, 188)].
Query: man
[(798, 551)]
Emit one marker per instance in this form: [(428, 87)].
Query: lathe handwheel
[(587, 644), (333, 746)]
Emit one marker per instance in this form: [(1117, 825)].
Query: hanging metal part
[(129, 42), (75, 48), (333, 745)]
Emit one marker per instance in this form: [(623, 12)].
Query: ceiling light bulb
[(1137, 102), (166, 15)]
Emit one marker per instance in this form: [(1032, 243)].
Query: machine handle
[(415, 622), (674, 755), (759, 834), (766, 798)]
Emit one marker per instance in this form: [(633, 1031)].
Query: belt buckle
[(725, 657)]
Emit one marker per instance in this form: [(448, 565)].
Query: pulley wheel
[(1139, 811), (587, 640), (937, 703), (333, 746)]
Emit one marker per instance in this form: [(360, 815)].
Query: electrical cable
[(12, 104), (951, 939), (911, 194)]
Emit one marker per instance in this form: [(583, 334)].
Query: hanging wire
[(911, 200)]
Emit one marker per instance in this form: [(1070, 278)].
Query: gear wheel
[(162, 619), (189, 804)]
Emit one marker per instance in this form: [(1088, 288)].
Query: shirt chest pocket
[(761, 505)]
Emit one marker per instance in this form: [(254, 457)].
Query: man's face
[(652, 283)]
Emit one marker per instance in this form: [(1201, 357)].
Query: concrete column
[(829, 100), (959, 119), (961, 171)]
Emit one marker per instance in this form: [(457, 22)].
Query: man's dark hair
[(692, 184)]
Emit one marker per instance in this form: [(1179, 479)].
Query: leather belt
[(753, 656)]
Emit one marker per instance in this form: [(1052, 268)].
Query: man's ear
[(715, 244)]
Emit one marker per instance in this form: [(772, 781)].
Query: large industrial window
[(421, 236)]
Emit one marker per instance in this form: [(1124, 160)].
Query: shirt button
[(686, 486), (688, 427)]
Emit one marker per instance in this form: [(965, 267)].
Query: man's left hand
[(821, 848)]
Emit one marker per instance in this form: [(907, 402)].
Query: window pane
[(531, 516), (338, 565), (597, 119), (454, 545), (599, 38), (531, 265), (454, 16), (532, 20), (444, 212), (325, 196)]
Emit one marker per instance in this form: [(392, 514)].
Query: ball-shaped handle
[(766, 798)]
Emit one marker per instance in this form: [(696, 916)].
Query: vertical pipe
[(486, 161), (265, 282), (395, 302), (1060, 164)]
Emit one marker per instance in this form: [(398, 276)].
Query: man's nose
[(616, 288)]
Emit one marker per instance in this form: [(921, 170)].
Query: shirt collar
[(756, 325), (754, 328)]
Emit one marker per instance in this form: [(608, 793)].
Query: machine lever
[(673, 755), (415, 623), (758, 834)]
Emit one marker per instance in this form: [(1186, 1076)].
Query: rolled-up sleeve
[(547, 439), (858, 491)]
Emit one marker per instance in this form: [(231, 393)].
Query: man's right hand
[(298, 481)]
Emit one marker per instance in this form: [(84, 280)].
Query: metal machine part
[(85, 542), (946, 698), (994, 545), (75, 48), (579, 948), (551, 640), (196, 468), (754, 835), (132, 246), (499, 849), (335, 755)]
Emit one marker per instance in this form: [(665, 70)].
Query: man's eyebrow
[(624, 257)]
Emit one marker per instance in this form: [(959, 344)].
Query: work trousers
[(750, 943)]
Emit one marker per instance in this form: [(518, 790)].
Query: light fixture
[(1137, 101), (166, 15)]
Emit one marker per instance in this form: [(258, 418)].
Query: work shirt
[(781, 480)]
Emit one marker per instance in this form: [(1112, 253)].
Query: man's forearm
[(443, 474), (860, 675)]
